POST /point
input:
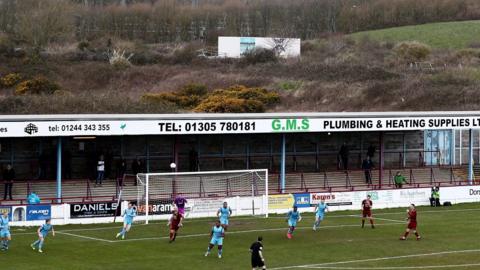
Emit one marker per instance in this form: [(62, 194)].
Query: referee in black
[(257, 256)]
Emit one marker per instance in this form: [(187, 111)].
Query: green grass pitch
[(450, 241), (454, 35)]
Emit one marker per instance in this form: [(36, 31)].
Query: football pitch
[(450, 241)]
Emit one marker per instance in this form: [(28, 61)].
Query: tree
[(41, 22)]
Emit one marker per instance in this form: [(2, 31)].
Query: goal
[(245, 191)]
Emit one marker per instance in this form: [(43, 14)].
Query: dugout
[(68, 146)]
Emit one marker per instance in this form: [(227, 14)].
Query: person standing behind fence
[(371, 151), (100, 171), (367, 166), (136, 168), (435, 197), (344, 154), (8, 176), (399, 180), (121, 170)]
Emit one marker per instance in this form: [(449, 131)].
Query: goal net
[(245, 191)]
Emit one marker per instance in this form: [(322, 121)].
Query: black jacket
[(9, 175)]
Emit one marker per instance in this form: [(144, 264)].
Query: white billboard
[(230, 126), (235, 47)]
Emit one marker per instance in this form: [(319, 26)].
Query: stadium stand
[(85, 191)]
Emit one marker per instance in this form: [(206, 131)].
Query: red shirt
[(367, 204), (175, 220), (412, 215)]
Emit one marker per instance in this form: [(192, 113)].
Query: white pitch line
[(378, 259), (398, 267), (393, 220), (256, 218), (86, 237), (250, 231)]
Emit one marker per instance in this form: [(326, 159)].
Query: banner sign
[(162, 207), (207, 205), (8, 209), (87, 210), (302, 200), (39, 212), (230, 126), (333, 199), (282, 201)]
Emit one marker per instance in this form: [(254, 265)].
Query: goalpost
[(246, 192)]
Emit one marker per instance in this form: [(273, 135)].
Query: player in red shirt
[(175, 223), (412, 223), (367, 211)]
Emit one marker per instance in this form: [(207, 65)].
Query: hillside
[(453, 35), (334, 74)]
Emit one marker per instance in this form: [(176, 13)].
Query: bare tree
[(41, 22)]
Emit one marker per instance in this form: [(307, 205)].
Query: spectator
[(435, 197), (371, 151), (100, 171), (121, 170), (367, 166), (43, 160), (399, 180), (344, 153), (136, 168), (67, 164), (193, 160), (33, 198), (8, 176), (108, 164)]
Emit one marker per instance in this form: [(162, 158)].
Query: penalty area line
[(86, 237), (396, 267), (324, 265)]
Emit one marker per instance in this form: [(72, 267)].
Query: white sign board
[(230, 126), (235, 47)]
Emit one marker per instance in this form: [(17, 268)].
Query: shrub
[(261, 94), (259, 56), (468, 53), (6, 44), (225, 104), (83, 45), (411, 51), (37, 85), (119, 60), (185, 55), (238, 98), (10, 80), (193, 89), (189, 96), (455, 78), (289, 85), (182, 101)]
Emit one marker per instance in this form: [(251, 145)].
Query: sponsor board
[(208, 205), (99, 209), (8, 209), (302, 200), (298, 123), (39, 212), (159, 207), (281, 201), (333, 199)]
